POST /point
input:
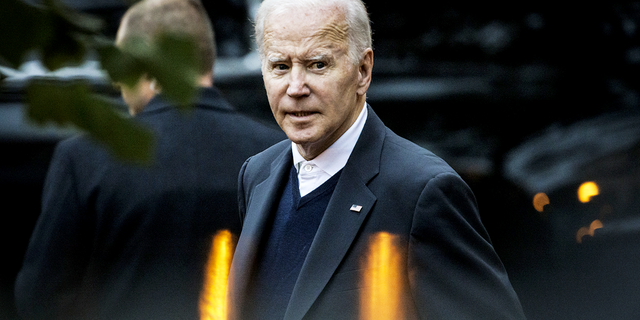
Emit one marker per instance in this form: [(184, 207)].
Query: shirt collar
[(335, 157)]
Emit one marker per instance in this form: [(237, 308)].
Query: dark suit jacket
[(447, 265), (120, 241)]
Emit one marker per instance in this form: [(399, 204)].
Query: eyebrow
[(316, 57), (274, 59)]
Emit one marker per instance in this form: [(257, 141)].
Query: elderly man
[(121, 241), (310, 206)]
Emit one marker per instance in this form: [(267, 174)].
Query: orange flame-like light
[(383, 278), (539, 201), (213, 304), (590, 231), (587, 190)]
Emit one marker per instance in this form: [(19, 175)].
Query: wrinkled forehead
[(320, 25)]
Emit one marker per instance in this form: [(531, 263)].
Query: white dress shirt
[(313, 173)]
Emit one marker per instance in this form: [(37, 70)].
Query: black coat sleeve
[(454, 271)]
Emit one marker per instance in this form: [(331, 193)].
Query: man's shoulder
[(258, 167), (80, 144), (82, 156), (266, 157), (398, 154), (411, 157)]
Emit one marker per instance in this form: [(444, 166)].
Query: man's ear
[(364, 71)]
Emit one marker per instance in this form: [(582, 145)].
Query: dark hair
[(149, 18)]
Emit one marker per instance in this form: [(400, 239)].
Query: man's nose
[(298, 86)]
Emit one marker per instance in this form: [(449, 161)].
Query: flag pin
[(356, 208)]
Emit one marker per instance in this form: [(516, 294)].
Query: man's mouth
[(302, 114)]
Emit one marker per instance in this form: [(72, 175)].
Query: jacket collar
[(206, 97)]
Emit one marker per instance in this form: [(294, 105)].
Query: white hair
[(356, 16)]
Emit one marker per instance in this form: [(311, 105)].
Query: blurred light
[(584, 231), (383, 278), (495, 36), (534, 21), (587, 190), (213, 304), (596, 224), (540, 200), (588, 231)]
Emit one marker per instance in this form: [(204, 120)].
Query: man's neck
[(206, 80)]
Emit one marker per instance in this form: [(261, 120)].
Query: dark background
[(520, 98)]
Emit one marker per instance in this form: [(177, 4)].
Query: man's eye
[(319, 65), (281, 67)]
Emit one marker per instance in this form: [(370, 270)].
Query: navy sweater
[(294, 226)]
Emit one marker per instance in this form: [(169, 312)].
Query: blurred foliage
[(73, 103), (61, 37), (170, 59), (56, 32)]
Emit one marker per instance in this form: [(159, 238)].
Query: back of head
[(149, 18), (356, 16)]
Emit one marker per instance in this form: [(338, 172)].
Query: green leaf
[(73, 104), (76, 21), (171, 59), (60, 34), (66, 49), (176, 67), (72, 35), (23, 28), (121, 66)]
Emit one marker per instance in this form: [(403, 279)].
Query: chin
[(300, 139), (296, 139), (299, 135)]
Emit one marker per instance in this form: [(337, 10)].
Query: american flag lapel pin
[(356, 208)]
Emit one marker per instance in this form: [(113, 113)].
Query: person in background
[(312, 205), (117, 240)]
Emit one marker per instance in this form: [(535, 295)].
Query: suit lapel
[(260, 206), (340, 224)]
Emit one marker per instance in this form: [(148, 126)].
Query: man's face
[(315, 90)]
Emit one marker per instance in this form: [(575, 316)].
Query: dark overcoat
[(124, 241), (446, 265)]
